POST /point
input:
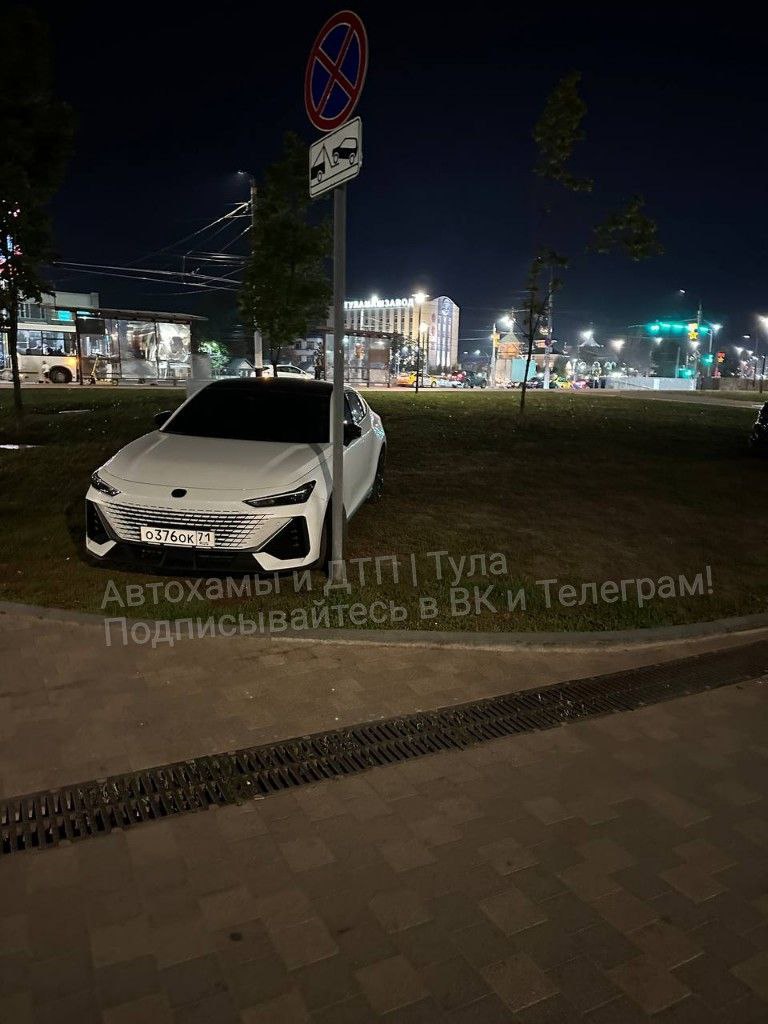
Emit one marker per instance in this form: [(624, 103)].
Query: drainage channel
[(58, 816)]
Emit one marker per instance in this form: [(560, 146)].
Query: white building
[(436, 320)]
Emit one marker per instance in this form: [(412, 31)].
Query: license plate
[(178, 538)]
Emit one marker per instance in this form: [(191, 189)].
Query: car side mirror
[(162, 417), (352, 431)]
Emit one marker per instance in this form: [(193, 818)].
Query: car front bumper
[(247, 539)]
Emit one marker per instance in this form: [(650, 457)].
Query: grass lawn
[(752, 395), (587, 489)]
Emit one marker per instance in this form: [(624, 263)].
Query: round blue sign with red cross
[(338, 62)]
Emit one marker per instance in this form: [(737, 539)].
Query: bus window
[(30, 343)]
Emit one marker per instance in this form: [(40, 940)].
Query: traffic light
[(721, 357), (693, 332), (707, 359)]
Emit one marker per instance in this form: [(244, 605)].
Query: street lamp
[(587, 338), (618, 344), (419, 298)]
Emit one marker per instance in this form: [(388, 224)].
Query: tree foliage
[(286, 289), (557, 132), (629, 231), (36, 132)]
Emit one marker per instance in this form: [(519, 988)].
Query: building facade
[(435, 320)]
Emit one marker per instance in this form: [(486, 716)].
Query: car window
[(258, 415), (355, 406)]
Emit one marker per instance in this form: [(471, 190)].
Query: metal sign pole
[(337, 401)]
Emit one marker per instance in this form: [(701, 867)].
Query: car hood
[(175, 460)]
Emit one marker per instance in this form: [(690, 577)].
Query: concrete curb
[(743, 625)]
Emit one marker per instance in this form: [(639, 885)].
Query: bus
[(42, 351), (65, 344)]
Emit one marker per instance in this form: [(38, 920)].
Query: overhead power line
[(233, 214)]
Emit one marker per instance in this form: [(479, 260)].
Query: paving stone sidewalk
[(609, 872), (73, 709)]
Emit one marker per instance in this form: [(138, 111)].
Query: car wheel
[(335, 159), (59, 376), (377, 490), (352, 157), (319, 177), (433, 384)]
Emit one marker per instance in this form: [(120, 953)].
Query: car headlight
[(297, 497), (103, 486)]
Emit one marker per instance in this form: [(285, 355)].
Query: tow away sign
[(336, 158)]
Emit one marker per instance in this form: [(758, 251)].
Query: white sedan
[(238, 478)]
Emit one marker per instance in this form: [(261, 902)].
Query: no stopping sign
[(336, 69)]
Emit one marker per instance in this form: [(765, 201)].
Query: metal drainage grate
[(47, 819)]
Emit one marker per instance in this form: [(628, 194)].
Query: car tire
[(335, 159), (59, 375), (433, 384), (352, 158), (377, 489)]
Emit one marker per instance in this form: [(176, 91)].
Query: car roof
[(286, 385)]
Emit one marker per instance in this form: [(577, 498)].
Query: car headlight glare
[(297, 497), (103, 486)]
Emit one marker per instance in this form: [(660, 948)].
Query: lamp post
[(587, 338), (419, 298), (258, 354)]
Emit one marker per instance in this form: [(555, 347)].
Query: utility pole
[(420, 298), (418, 349), (495, 338), (548, 346), (258, 356), (709, 339)]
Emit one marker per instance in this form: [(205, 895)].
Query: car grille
[(233, 530)]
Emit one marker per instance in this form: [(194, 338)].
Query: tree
[(538, 304), (629, 230), (36, 130), (286, 288), (216, 352)]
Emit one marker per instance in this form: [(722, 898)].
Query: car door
[(359, 454)]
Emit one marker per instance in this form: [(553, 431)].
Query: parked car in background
[(407, 379), (475, 380), (285, 370), (238, 478)]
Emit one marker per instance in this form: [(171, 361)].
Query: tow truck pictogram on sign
[(336, 158)]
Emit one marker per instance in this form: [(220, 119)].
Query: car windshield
[(259, 414)]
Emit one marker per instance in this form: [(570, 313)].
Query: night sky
[(172, 101)]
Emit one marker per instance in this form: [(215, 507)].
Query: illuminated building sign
[(376, 303)]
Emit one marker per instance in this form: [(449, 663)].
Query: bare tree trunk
[(524, 388), (13, 339)]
